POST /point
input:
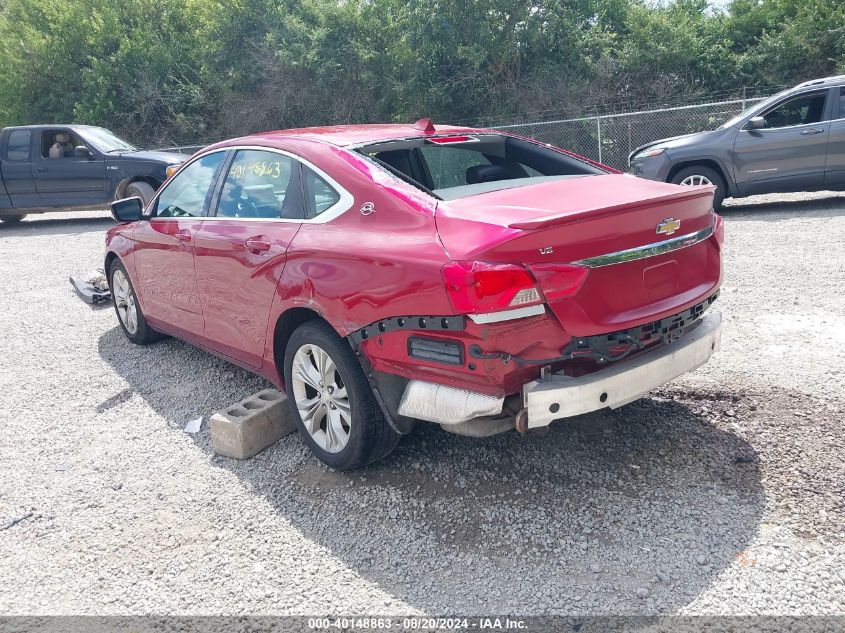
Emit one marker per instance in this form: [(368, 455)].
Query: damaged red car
[(386, 274)]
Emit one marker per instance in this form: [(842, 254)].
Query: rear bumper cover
[(558, 396)]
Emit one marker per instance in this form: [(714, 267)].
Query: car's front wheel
[(140, 189), (702, 175), (129, 313), (331, 400)]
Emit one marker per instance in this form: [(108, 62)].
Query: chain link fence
[(610, 138)]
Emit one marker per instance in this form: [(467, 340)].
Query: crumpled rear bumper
[(558, 396)]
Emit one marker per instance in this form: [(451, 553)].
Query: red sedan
[(385, 274)]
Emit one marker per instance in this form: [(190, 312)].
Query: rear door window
[(320, 196), (18, 145), (261, 185)]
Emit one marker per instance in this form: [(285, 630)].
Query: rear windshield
[(458, 166)]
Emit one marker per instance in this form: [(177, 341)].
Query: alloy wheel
[(696, 179), (321, 398), (124, 301)]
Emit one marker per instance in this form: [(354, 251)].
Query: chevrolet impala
[(385, 274)]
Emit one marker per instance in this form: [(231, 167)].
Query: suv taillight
[(475, 287)]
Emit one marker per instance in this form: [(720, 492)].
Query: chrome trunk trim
[(649, 250)]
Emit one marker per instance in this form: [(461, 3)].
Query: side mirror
[(756, 123), (127, 210), (80, 151)]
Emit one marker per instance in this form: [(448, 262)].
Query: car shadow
[(641, 508), (763, 208), (56, 225)]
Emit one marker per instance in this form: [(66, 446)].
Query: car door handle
[(813, 131), (183, 236), (41, 169), (257, 245)]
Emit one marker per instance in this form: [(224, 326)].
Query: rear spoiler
[(571, 217)]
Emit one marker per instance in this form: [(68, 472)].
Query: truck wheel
[(331, 400), (12, 219), (140, 189), (701, 175), (129, 314)]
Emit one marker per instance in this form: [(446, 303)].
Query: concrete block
[(251, 425)]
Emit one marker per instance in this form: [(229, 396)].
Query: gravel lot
[(724, 493)]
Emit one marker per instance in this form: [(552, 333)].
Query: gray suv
[(792, 141)]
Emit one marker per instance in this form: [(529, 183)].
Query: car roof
[(53, 126), (349, 135), (834, 80)]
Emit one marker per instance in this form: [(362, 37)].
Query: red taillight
[(719, 231), (475, 287), (559, 281)]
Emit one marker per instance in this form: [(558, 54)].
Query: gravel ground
[(720, 494)]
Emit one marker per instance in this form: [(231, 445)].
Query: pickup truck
[(48, 167)]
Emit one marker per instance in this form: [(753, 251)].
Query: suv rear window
[(463, 165)]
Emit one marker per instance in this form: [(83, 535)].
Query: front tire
[(12, 219), (126, 306), (701, 175), (140, 189), (331, 400)]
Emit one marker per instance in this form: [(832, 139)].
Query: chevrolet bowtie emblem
[(668, 226)]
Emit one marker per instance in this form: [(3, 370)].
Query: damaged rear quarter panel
[(537, 337), (357, 268)]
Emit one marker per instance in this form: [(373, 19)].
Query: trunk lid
[(581, 218)]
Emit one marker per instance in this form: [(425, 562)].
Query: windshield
[(106, 141), (460, 165), (754, 106)]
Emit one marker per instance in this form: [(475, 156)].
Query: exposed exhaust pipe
[(520, 421)]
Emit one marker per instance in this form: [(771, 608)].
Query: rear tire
[(343, 424), (702, 175), (12, 219), (128, 310), (140, 189)]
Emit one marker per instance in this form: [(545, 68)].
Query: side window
[(58, 144), (184, 196), (319, 195), (799, 111), (532, 173), (257, 186), (18, 145), (452, 167), (842, 103)]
